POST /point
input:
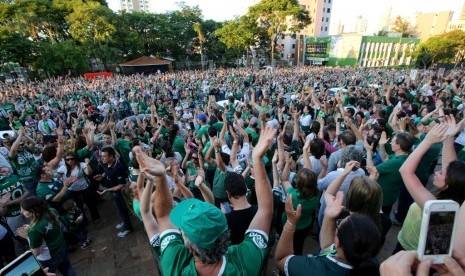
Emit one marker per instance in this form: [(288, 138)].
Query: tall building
[(291, 45), (385, 21), (320, 13), (458, 24), (134, 5), (433, 23)]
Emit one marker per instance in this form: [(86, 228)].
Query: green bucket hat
[(200, 221)]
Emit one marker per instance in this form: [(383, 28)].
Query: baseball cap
[(202, 117), (200, 221)]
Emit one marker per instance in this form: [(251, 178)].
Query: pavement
[(132, 255)]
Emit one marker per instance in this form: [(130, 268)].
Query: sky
[(343, 11)]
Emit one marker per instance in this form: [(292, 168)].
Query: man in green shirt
[(203, 227), (52, 190), (389, 178), (203, 130), (252, 130), (11, 194)]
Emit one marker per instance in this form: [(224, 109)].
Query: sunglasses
[(70, 159)]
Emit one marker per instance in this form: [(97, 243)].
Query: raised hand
[(350, 166), (264, 143), (383, 140), (293, 216), (437, 134), (334, 204)]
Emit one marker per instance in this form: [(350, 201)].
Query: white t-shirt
[(80, 183), (305, 120), (241, 155)]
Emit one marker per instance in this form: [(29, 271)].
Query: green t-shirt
[(318, 265), (48, 230), (178, 146), (48, 190), (12, 185), (136, 209), (124, 148), (203, 131), (410, 232), (390, 179), (245, 258), (164, 132), (25, 165), (308, 208), (218, 184), (218, 126), (191, 171)]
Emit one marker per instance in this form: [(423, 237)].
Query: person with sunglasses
[(81, 189)]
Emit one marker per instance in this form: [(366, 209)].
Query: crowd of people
[(227, 168)]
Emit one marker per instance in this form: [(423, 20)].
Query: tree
[(16, 47), (403, 27), (236, 35), (62, 58), (91, 21), (441, 48), (201, 38), (278, 17)]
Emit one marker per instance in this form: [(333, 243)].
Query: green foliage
[(440, 49), (62, 58), (235, 34), (14, 46), (403, 27)]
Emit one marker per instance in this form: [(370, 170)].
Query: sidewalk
[(110, 255)]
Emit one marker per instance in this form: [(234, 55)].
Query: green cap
[(200, 221)]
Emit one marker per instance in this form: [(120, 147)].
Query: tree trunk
[(272, 52)]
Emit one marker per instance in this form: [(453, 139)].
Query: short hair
[(212, 131), (348, 137), (317, 148), (215, 253), (331, 127), (234, 184), (110, 150), (405, 141), (351, 153)]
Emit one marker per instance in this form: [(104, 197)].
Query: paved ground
[(132, 255)]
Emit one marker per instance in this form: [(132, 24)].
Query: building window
[(329, 1), (322, 19), (327, 19), (293, 46), (326, 29), (282, 55), (328, 10), (321, 28), (292, 55), (323, 10)]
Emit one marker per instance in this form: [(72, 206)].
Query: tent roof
[(145, 61)]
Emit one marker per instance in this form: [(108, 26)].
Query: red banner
[(89, 76)]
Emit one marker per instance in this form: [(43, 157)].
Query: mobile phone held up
[(25, 264), (437, 230)]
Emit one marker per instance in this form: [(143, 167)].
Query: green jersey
[(178, 146), (124, 148), (12, 185), (48, 190), (218, 184), (48, 230), (245, 258), (203, 131), (25, 165)]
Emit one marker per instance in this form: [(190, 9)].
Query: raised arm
[(382, 146), (155, 171), (262, 219), (233, 157), (336, 184), (334, 206), (218, 158), (17, 142), (206, 192), (416, 189), (60, 152), (306, 158), (150, 223)]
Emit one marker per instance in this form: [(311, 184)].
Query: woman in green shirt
[(45, 227), (305, 194)]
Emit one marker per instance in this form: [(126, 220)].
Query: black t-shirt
[(114, 175), (239, 221)]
